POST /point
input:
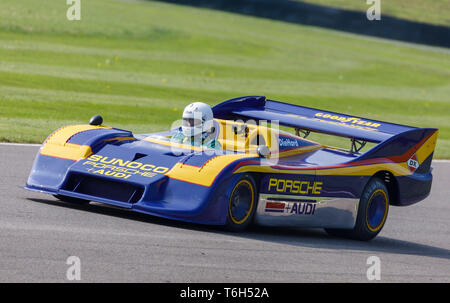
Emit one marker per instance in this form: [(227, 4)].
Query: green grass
[(426, 11), (138, 63)]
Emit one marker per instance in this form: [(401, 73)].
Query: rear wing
[(309, 119), (306, 119)]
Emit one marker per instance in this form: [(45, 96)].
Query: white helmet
[(197, 119)]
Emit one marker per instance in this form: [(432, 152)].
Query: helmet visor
[(191, 122)]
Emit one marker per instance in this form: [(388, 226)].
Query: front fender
[(66, 146), (197, 193)]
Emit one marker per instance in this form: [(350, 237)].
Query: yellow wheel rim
[(376, 210), (233, 205)]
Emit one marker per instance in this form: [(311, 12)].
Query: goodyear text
[(343, 119)]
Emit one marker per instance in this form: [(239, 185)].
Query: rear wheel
[(372, 213), (242, 204), (71, 199)]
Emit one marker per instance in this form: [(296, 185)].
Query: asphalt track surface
[(38, 233)]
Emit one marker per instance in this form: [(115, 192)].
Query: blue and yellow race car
[(262, 172)]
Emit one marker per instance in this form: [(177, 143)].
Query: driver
[(198, 127)]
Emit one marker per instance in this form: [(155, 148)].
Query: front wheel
[(372, 213), (242, 204)]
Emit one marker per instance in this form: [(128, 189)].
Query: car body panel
[(301, 183)]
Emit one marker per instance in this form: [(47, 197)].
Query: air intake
[(103, 188)]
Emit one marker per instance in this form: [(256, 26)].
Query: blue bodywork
[(132, 172), (158, 195)]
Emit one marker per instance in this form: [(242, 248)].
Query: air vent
[(137, 156), (104, 188)]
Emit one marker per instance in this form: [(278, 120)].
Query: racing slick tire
[(372, 213), (242, 204), (71, 199)]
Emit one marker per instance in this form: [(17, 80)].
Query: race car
[(265, 172)]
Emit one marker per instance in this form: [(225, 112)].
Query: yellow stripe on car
[(67, 151), (427, 148), (56, 144), (206, 174), (397, 169)]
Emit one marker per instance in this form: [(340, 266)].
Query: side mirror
[(96, 120), (263, 151)]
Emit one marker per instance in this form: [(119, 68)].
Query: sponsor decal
[(287, 142), (341, 120), (294, 186), (294, 208), (118, 168), (413, 164), (276, 207), (344, 119)]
